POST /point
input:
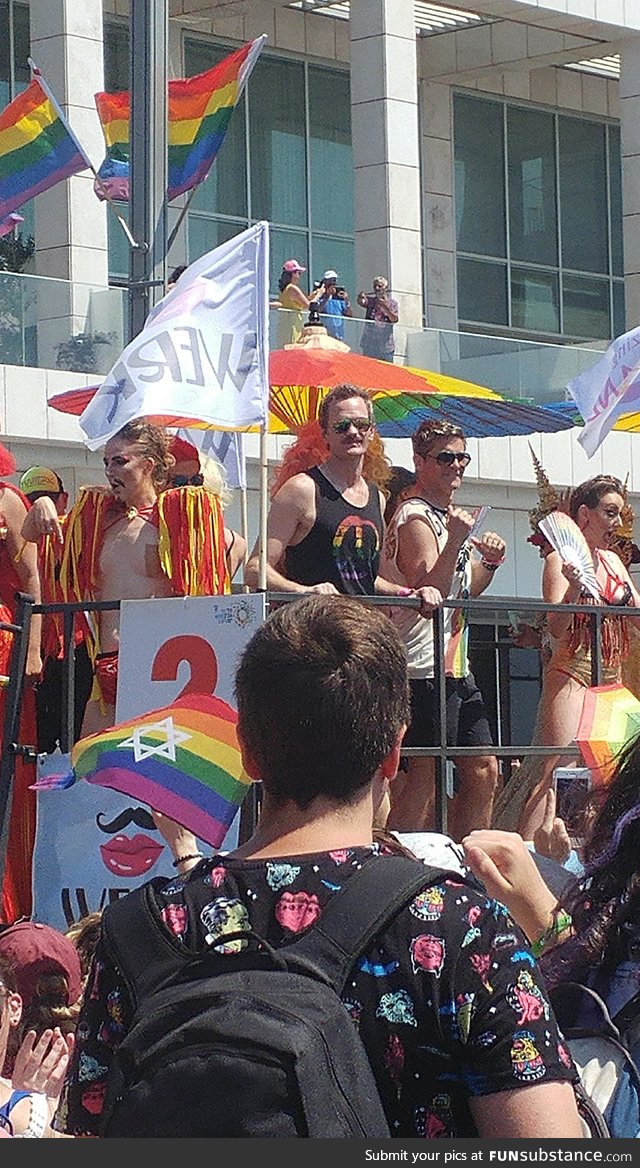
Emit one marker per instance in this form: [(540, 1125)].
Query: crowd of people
[(329, 690)]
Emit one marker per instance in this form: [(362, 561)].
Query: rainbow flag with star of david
[(182, 760)]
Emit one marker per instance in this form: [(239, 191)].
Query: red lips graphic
[(130, 857)]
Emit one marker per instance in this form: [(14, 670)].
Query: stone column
[(386, 156), (630, 136), (70, 222)]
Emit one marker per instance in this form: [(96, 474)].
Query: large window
[(287, 159), (14, 72), (538, 220)]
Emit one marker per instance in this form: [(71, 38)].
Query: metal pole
[(148, 163)]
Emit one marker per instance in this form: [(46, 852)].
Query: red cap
[(182, 450), (34, 950)]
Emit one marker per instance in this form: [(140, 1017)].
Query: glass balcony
[(53, 324)]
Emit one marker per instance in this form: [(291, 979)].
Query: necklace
[(142, 512)]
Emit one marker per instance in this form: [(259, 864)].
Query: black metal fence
[(475, 609)]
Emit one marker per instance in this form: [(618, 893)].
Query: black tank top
[(343, 545)]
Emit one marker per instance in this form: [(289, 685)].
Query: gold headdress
[(549, 500)]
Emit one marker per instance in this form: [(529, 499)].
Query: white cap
[(330, 274)]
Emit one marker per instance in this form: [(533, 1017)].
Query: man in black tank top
[(325, 526)]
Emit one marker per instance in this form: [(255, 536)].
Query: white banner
[(203, 353), (607, 391)]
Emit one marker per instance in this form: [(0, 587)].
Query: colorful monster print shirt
[(449, 1003)]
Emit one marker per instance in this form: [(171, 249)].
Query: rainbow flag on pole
[(199, 111), (183, 760), (37, 147)]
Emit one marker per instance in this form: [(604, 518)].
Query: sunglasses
[(195, 480), (361, 425), (448, 457)]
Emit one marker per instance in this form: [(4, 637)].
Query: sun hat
[(39, 478), (35, 950), (330, 274), (293, 266)]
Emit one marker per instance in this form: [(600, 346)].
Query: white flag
[(203, 353), (607, 391)]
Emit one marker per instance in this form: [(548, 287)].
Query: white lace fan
[(568, 541)]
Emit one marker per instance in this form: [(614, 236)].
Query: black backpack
[(254, 1044)]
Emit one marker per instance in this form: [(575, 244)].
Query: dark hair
[(285, 279), (401, 480), (428, 433), (322, 692), (341, 393), (592, 491), (9, 983), (606, 906), (176, 273), (154, 442)]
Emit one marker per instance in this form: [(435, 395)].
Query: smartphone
[(571, 785)]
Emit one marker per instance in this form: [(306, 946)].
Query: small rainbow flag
[(199, 111), (183, 760), (37, 147)]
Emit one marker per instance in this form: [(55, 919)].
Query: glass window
[(583, 195), (330, 154), (585, 305), (205, 233), (119, 247), (534, 300), (338, 254), (619, 320), (615, 199), (225, 189), (14, 74), (277, 142), (288, 245), (482, 291), (116, 57), (532, 186), (479, 177)]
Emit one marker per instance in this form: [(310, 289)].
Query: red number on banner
[(200, 657)]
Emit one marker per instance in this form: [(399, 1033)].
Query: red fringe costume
[(16, 885), (190, 544)]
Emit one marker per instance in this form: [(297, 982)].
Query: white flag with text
[(607, 391), (203, 354)]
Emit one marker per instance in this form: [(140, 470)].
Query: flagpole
[(37, 76), (263, 503), (182, 214), (244, 526)]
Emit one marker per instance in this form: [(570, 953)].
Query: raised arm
[(419, 559)]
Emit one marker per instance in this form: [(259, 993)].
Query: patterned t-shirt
[(449, 1003)]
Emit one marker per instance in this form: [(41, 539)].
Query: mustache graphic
[(138, 815)]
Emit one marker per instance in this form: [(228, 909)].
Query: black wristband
[(182, 859)]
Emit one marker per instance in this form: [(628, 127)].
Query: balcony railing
[(54, 324)]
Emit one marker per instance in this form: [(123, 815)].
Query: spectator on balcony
[(295, 301), (381, 313)]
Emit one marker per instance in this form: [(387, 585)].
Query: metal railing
[(441, 753)]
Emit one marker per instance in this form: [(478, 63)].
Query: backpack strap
[(145, 953), (370, 899)]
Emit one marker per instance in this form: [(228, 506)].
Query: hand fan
[(568, 541), (479, 516)]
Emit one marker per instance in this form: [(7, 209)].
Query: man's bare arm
[(544, 1111), (291, 517), (25, 557), (419, 559)]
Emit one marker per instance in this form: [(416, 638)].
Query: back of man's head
[(322, 693)]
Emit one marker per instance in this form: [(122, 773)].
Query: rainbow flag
[(37, 147), (183, 760), (199, 112)]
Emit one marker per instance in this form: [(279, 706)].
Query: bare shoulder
[(11, 504), (297, 493)]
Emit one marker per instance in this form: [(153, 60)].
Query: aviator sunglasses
[(181, 480), (361, 425), (448, 457)]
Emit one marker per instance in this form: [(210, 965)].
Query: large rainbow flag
[(199, 111), (37, 147), (183, 760)]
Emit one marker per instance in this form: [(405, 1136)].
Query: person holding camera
[(381, 311), (334, 303)]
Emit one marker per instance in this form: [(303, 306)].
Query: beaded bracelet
[(183, 859), (559, 925)]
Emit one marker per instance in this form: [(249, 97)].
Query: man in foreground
[(448, 1000)]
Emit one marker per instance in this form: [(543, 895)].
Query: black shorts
[(467, 722)]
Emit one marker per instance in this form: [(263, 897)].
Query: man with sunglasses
[(325, 525), (431, 541)]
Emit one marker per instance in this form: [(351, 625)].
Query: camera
[(317, 284), (340, 292)]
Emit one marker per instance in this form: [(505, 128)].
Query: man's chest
[(130, 553)]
